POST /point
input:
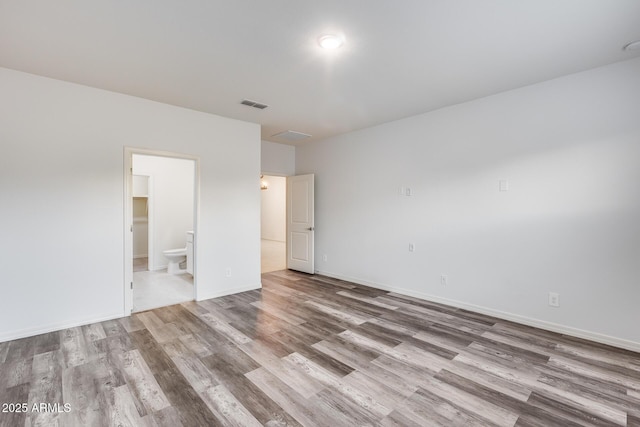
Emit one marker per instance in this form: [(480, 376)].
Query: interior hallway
[(273, 256)]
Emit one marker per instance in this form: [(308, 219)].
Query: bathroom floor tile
[(152, 289)]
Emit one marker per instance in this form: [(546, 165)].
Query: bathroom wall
[(62, 199), (171, 202), (274, 209)]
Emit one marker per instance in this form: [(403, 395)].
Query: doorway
[(160, 216), (300, 223), (287, 223), (273, 223)]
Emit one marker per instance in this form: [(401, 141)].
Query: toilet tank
[(190, 252)]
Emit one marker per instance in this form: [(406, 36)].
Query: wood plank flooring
[(315, 351)]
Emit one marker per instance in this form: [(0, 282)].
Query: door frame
[(284, 208), (128, 217)]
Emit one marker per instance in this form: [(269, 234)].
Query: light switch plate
[(554, 299)]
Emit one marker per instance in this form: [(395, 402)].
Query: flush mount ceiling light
[(632, 47), (330, 41)]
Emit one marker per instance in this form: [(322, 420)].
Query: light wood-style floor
[(314, 351)]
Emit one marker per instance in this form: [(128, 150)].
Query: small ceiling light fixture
[(632, 47), (263, 183), (330, 41)]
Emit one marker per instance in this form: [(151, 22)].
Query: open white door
[(300, 223)]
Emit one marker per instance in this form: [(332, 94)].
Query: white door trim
[(128, 217)]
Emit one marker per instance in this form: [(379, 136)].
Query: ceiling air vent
[(291, 135), (254, 104)]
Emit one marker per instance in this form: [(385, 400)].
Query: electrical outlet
[(554, 299), (412, 247), (401, 191), (324, 257), (227, 272), (443, 279)]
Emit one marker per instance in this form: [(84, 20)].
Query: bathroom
[(163, 224)]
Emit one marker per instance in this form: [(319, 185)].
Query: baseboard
[(537, 323), (274, 240), (229, 291), (140, 256), (159, 267), (30, 332)]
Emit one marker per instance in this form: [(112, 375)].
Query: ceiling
[(400, 58)]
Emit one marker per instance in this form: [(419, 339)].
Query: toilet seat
[(176, 252), (175, 257)]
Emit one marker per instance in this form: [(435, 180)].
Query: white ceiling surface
[(400, 58)]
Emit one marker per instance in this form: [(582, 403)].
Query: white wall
[(278, 159), (274, 209), (62, 192), (277, 162), (171, 196), (570, 222)]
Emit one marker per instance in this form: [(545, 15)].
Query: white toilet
[(178, 256), (175, 257)]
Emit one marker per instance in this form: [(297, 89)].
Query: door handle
[(310, 228)]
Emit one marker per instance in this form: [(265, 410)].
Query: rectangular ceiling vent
[(291, 135), (254, 104)]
